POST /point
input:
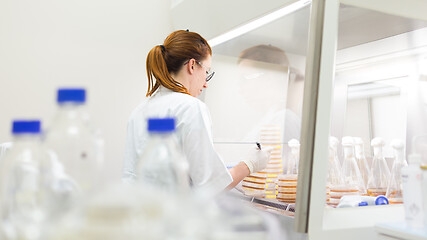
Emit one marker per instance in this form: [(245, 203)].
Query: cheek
[(201, 80)]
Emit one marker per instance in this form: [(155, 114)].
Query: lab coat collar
[(162, 91)]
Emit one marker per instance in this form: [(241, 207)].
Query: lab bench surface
[(282, 212)]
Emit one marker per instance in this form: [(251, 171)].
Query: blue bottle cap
[(161, 124), (26, 127), (76, 95), (363, 203), (381, 200)]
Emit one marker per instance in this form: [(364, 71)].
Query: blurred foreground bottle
[(72, 141), (21, 210), (24, 190), (162, 164)]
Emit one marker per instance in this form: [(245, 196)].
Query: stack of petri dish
[(336, 192), (254, 184), (287, 188), (270, 136)]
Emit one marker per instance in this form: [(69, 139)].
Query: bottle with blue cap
[(163, 165), (21, 184), (72, 140)]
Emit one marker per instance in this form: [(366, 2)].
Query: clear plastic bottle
[(380, 173), (412, 192), (21, 184), (73, 142), (361, 160), (394, 189), (351, 173), (162, 165)]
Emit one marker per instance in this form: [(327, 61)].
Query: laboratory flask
[(293, 160), (394, 188), (334, 177), (361, 160), (287, 183), (351, 173), (380, 173)]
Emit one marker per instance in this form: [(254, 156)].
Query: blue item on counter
[(381, 200)]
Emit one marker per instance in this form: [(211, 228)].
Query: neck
[(181, 79)]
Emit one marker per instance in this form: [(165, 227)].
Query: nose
[(205, 85)]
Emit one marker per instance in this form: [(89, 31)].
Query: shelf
[(338, 218)]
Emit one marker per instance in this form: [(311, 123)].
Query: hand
[(257, 160)]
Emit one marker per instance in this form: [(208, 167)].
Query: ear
[(191, 66)]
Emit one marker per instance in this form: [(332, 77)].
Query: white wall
[(99, 44), (356, 122)]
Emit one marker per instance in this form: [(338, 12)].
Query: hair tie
[(163, 48)]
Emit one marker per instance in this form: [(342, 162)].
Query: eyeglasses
[(209, 72)]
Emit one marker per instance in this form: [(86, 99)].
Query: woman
[(178, 71)]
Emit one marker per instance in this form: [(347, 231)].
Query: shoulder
[(189, 111), (184, 102), (138, 110), (168, 103)]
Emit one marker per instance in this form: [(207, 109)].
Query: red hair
[(179, 47)]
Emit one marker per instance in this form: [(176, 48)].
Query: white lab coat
[(194, 134)]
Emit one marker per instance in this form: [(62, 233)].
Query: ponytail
[(158, 74), (179, 47)]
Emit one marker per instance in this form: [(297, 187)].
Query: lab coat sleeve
[(207, 169)]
